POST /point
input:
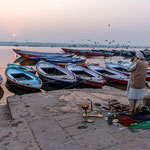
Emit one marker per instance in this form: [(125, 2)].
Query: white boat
[(122, 69), (55, 74), (86, 76), (109, 75)]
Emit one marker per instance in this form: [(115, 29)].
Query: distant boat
[(65, 60), (55, 74), (87, 52), (109, 75), (86, 76), (23, 79), (121, 69), (30, 54), (1, 80), (28, 69)]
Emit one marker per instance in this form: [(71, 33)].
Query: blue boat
[(1, 80), (65, 60), (31, 54), (57, 75), (28, 69), (23, 79)]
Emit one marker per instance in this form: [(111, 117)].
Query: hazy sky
[(75, 20)]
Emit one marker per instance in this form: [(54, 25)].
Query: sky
[(76, 21)]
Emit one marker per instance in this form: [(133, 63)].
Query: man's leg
[(138, 106), (133, 106)]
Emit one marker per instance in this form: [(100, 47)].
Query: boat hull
[(109, 75), (126, 73), (86, 76), (91, 82), (113, 80), (23, 79), (55, 82), (56, 74), (22, 86), (86, 52), (32, 54)]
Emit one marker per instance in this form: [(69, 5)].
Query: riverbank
[(53, 120)]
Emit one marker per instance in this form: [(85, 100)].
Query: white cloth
[(136, 93), (138, 103), (140, 55), (132, 66)]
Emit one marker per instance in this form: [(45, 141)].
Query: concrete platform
[(53, 121)]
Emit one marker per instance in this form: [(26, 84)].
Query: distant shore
[(39, 44)]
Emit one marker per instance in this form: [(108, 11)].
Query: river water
[(8, 56)]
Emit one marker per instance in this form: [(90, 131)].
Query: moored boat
[(28, 69), (109, 75), (1, 80), (88, 52), (31, 54), (55, 74), (117, 67), (65, 60), (23, 79), (86, 76), (121, 69)]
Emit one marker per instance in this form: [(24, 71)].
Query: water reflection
[(25, 62), (17, 90)]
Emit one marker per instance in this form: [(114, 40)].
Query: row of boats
[(49, 57), (67, 57), (95, 75), (73, 73), (99, 52)]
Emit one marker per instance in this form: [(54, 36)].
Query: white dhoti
[(136, 94)]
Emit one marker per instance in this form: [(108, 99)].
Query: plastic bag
[(143, 125)]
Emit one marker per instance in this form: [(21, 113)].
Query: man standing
[(137, 82)]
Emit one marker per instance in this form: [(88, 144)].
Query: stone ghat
[(53, 120)]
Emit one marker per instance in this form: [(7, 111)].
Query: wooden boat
[(109, 75), (88, 52), (121, 69), (126, 64), (1, 80), (118, 68), (29, 54), (65, 60), (23, 79), (86, 76), (28, 69), (52, 73)]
